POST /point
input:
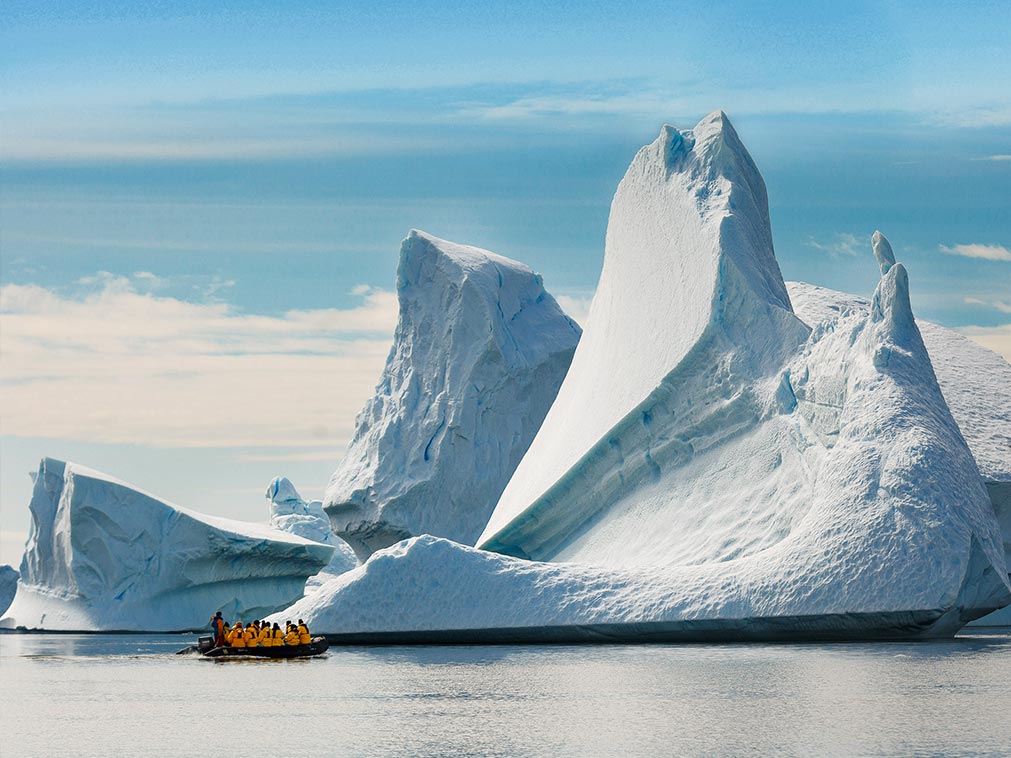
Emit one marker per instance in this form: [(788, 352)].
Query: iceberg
[(105, 556), (975, 382), (8, 586), (823, 465), (479, 352), (290, 513), (713, 467)]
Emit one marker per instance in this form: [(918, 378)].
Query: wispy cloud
[(975, 117), (307, 455), (978, 250), (120, 364), (994, 158), (1000, 305), (996, 338), (576, 306), (841, 244)]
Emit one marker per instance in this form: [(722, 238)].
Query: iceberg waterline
[(715, 465)]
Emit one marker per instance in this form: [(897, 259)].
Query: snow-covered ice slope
[(291, 513), (479, 352), (102, 555), (428, 589), (975, 382), (8, 586), (705, 428)]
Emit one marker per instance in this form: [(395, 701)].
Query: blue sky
[(201, 207)]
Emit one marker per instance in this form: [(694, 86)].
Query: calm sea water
[(107, 695)]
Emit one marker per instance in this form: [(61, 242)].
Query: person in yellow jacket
[(277, 638), (237, 636), (250, 636), (303, 633), (265, 635), (291, 638)]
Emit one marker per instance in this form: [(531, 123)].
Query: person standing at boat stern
[(218, 629)]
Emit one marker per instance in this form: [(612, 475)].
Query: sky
[(201, 205)]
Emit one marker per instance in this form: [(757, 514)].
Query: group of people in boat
[(258, 633)]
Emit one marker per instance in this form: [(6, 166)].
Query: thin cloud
[(978, 250), (843, 244), (576, 307), (1000, 305), (994, 158), (121, 365)]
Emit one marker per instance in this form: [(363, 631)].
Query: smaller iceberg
[(478, 355), (8, 586), (105, 556), (290, 513)]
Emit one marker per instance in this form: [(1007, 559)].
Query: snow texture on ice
[(975, 382), (479, 352), (289, 512), (103, 555)]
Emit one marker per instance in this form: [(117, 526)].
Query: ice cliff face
[(290, 513), (102, 555), (704, 428), (8, 586), (479, 352)]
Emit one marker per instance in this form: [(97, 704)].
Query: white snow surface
[(8, 586), (289, 512), (710, 456), (103, 555), (479, 352)]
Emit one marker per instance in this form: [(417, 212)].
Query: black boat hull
[(317, 646)]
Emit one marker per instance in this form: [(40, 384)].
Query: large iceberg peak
[(479, 352), (691, 304)]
